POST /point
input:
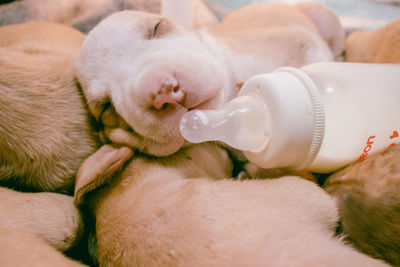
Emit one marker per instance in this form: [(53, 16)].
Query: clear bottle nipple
[(241, 123)]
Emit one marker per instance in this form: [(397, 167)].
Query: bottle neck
[(318, 111), (296, 118)]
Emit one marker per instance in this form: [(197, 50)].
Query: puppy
[(375, 46), (368, 194), (166, 212), (45, 129), (141, 72), (45, 133), (85, 14)]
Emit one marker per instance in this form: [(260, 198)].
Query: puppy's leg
[(49, 215), (19, 247), (256, 172)]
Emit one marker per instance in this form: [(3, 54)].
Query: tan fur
[(85, 14), (140, 73), (51, 216), (369, 200), (165, 212), (289, 31), (45, 130), (45, 134), (20, 248), (376, 175), (375, 46)]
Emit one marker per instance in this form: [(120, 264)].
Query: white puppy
[(141, 72)]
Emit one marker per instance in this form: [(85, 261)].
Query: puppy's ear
[(328, 25), (96, 169)]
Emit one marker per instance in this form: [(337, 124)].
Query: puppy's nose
[(168, 95)]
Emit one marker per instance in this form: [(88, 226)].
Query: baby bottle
[(321, 117), (180, 10)]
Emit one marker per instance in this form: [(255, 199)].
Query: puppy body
[(45, 129), (283, 35), (152, 70), (368, 194), (375, 46), (151, 214)]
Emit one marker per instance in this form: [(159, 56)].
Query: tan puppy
[(297, 34), (375, 46), (45, 130), (85, 14), (152, 214), (45, 134), (369, 203), (369, 191), (140, 72)]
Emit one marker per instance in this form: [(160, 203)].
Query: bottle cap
[(180, 10), (277, 120)]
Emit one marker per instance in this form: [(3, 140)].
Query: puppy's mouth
[(202, 105)]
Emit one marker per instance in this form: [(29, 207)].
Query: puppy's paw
[(52, 216), (20, 247), (256, 172)]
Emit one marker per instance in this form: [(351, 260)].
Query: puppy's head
[(141, 72)]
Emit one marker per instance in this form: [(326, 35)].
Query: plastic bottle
[(181, 10), (321, 117)]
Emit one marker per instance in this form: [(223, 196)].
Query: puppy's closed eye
[(156, 28), (160, 29)]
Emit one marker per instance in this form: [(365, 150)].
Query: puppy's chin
[(150, 134)]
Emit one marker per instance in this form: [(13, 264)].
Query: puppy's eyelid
[(156, 28)]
